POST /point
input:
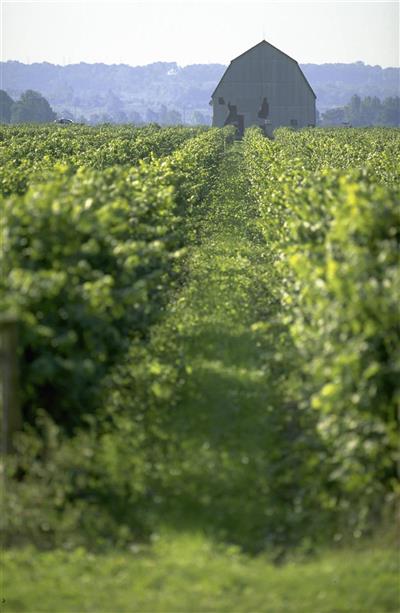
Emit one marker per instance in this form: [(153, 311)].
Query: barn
[(264, 87)]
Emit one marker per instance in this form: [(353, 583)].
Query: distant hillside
[(334, 84), (146, 93)]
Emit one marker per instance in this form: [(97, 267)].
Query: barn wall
[(265, 72)]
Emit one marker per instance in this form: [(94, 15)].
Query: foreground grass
[(190, 573)]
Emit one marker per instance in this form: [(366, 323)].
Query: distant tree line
[(162, 115), (32, 107), (368, 111)]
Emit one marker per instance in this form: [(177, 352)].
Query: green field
[(208, 346)]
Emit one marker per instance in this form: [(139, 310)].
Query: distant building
[(263, 87), (63, 120)]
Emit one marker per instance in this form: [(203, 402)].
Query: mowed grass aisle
[(191, 574), (221, 415), (222, 422), (219, 311)]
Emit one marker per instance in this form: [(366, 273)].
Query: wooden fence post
[(11, 411)]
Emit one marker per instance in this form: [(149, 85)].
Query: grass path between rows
[(223, 420), (216, 317), (190, 574)]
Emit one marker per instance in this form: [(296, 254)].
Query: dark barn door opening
[(234, 119), (264, 109)]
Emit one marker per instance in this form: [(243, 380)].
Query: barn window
[(293, 123), (221, 100)]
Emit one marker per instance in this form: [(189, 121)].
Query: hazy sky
[(197, 31)]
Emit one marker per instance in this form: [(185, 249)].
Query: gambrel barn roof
[(263, 43)]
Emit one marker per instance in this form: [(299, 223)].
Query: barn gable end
[(263, 86)]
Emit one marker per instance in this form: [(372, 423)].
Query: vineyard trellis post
[(11, 411)]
